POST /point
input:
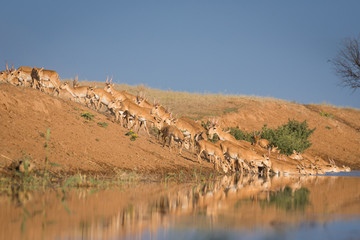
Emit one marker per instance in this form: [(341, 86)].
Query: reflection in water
[(288, 199), (232, 207)]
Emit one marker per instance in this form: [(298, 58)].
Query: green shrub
[(132, 135), (87, 115), (291, 136), (102, 124), (241, 135), (326, 114)]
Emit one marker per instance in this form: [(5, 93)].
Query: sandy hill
[(81, 145)]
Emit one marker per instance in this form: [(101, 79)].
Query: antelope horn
[(7, 67), (12, 67), (107, 79), (111, 79)]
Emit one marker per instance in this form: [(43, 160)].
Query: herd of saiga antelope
[(135, 112)]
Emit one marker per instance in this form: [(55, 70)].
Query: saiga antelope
[(174, 134)]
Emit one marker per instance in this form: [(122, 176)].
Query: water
[(236, 207)]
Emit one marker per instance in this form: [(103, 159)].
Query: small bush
[(102, 124), (290, 136), (206, 124), (132, 135), (326, 114), (87, 115), (241, 135), (229, 110)]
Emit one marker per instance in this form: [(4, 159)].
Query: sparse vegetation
[(102, 124), (229, 110), (87, 115), (326, 114), (132, 135)]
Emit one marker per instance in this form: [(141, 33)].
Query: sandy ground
[(81, 145)]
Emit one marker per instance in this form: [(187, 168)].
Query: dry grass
[(192, 105)]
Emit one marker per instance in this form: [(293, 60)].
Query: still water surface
[(235, 207)]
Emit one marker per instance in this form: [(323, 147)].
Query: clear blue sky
[(265, 48)]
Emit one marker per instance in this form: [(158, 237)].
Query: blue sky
[(265, 48)]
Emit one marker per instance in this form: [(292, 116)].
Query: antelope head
[(109, 87), (7, 67), (64, 85), (90, 92)]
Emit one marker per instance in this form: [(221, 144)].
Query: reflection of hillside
[(236, 202)]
